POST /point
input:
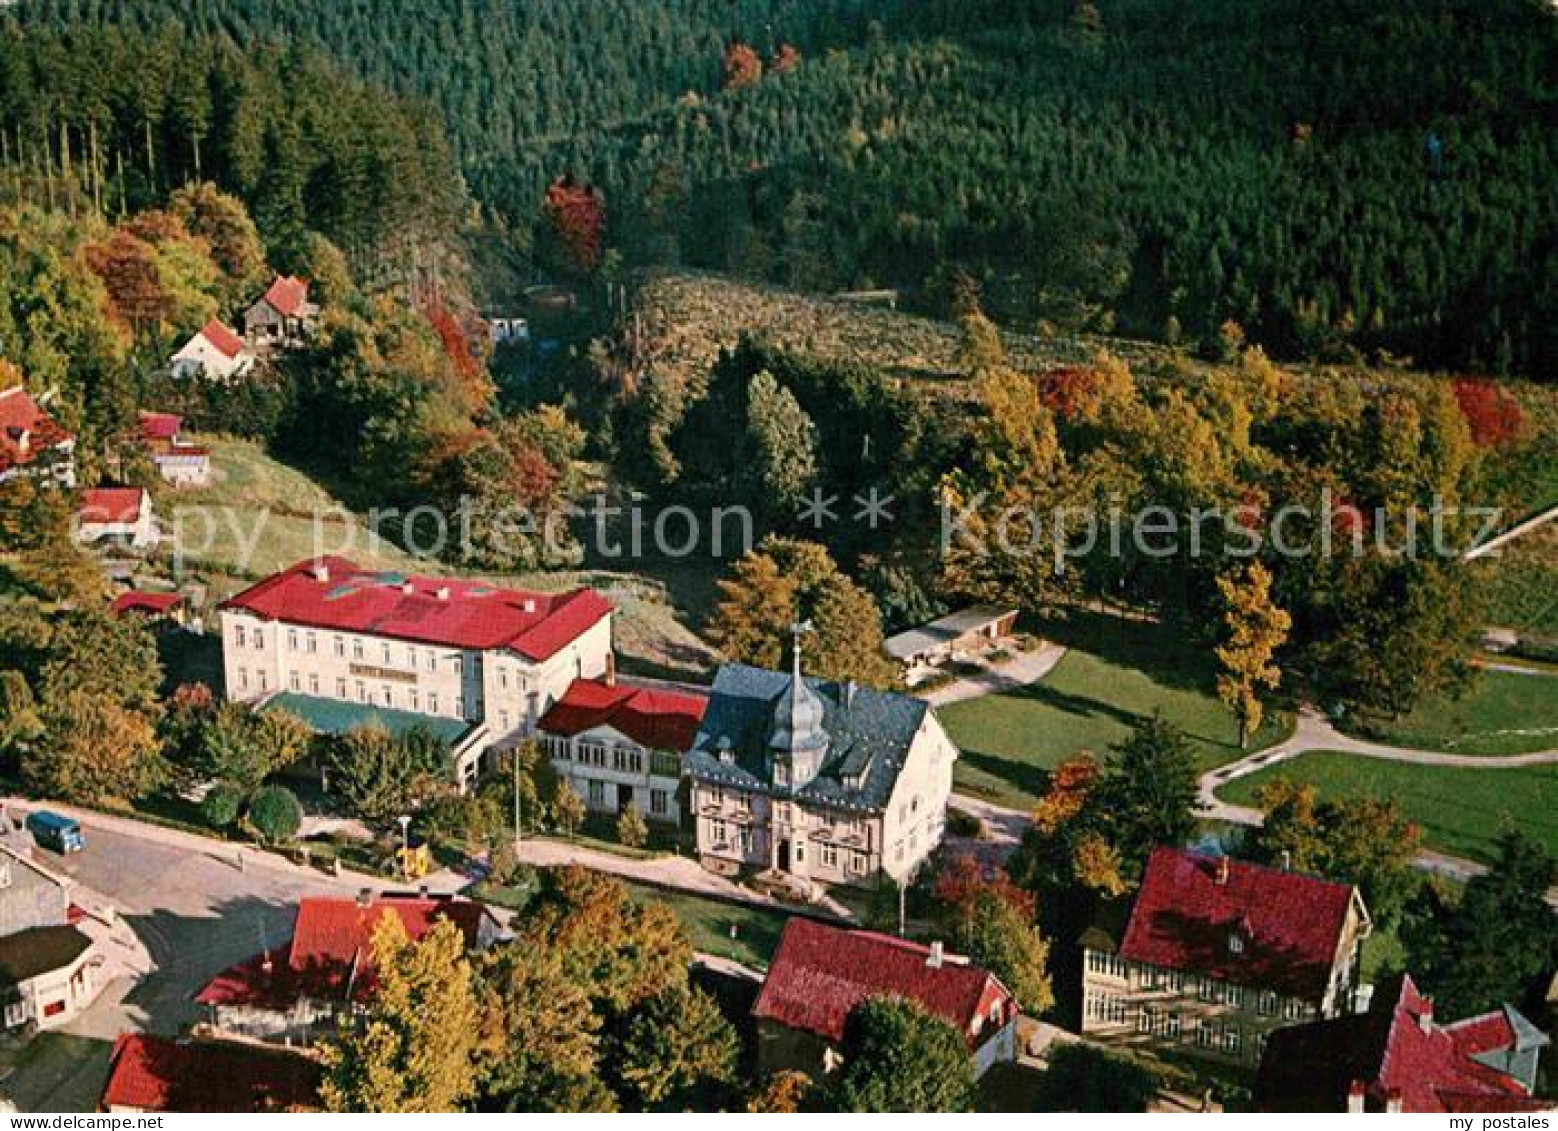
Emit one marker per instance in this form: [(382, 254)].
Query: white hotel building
[(339, 645)]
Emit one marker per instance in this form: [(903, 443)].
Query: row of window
[(622, 758), (307, 642), (1168, 1024), (1268, 1003), (382, 695), (598, 798)]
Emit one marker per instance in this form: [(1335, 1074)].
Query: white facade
[(140, 533), (200, 357), (498, 688), (183, 467), (746, 829), (608, 769)]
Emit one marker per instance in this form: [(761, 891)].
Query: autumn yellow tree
[(1256, 627), (427, 1030)]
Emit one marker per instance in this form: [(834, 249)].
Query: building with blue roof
[(810, 783)]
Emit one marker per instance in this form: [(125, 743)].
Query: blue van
[(62, 834)]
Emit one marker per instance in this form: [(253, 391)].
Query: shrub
[(275, 813), (221, 806), (632, 832)]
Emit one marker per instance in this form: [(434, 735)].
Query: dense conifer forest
[(1335, 177)]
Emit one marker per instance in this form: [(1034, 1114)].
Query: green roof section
[(332, 716)]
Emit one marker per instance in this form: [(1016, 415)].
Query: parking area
[(193, 909)]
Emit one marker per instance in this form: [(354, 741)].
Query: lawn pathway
[(1315, 734)]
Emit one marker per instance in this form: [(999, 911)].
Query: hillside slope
[(1347, 173)]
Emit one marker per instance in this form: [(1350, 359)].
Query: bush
[(1083, 1078), (632, 832), (220, 806), (502, 864), (275, 814)]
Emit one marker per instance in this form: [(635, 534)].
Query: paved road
[(193, 911)]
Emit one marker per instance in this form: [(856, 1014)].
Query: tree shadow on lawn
[(1024, 777), (1166, 653)]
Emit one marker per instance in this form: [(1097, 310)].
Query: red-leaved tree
[(578, 216), (1494, 415), (743, 66)]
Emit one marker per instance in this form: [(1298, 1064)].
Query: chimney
[(849, 692), (1425, 1016), (1355, 1097), (364, 897), (611, 669), (408, 587), (529, 605), (321, 572), (1287, 860), (934, 958), (23, 440), (1393, 1102), (1221, 878), (442, 593)]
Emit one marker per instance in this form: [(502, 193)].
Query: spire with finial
[(798, 741)]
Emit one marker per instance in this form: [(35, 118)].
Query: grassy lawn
[(259, 515), (708, 922), (1461, 811), (1502, 713), (1116, 674)]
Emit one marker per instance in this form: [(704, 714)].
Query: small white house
[(180, 463), (215, 352), (118, 514)]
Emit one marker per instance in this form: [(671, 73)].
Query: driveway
[(1018, 672)]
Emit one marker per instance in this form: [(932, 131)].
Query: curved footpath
[(1314, 733)]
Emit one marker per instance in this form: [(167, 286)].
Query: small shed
[(968, 630)]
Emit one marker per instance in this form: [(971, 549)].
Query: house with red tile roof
[(1397, 1057), (308, 985), (153, 606), (618, 743), (282, 315), (179, 462), (214, 352), (32, 442), (820, 973), (451, 650), (1218, 953), (149, 1074), (120, 515)]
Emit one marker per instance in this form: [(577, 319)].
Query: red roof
[(288, 295), (331, 950), (821, 973), (106, 505), (20, 417), (160, 425), (656, 719), (150, 604), (334, 593), (1394, 1049), (224, 340), (1289, 926), (156, 1074)]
